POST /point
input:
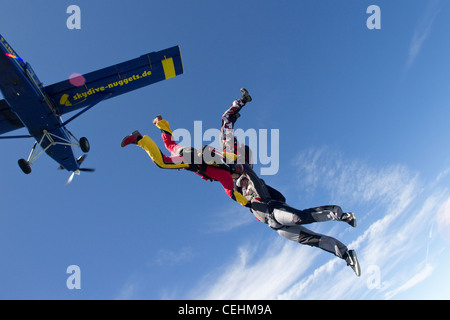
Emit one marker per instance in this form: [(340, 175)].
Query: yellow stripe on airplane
[(169, 68)]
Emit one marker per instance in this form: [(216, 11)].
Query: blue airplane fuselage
[(27, 103), (26, 97)]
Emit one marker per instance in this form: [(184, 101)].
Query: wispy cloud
[(228, 219), (422, 31), (395, 235), (170, 258), (352, 182), (259, 272), (135, 286), (127, 291), (443, 220), (416, 279)]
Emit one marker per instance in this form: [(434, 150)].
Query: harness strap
[(200, 170)]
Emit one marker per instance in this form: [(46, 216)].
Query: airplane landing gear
[(84, 145), (25, 166), (53, 140)]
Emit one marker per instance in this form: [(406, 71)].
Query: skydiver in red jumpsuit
[(185, 157)]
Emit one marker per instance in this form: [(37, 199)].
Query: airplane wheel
[(25, 166), (84, 145)]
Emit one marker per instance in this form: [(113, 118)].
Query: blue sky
[(363, 123)]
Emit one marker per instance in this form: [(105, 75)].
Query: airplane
[(28, 103)]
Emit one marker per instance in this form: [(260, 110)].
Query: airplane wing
[(8, 119), (91, 88)]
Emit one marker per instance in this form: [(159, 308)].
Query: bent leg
[(166, 134), (170, 143), (325, 213), (304, 236), (288, 216), (162, 161)]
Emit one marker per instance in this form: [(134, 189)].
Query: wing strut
[(16, 137), (107, 95)]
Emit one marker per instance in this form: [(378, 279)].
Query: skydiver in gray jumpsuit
[(269, 206)]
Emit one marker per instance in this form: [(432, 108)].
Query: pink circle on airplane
[(77, 79)]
